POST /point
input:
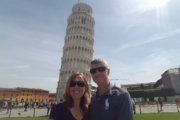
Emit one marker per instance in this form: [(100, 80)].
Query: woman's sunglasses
[(79, 84), (100, 69)]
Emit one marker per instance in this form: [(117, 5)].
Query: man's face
[(100, 77)]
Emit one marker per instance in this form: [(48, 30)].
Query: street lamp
[(117, 79)]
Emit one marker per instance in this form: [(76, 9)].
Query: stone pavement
[(43, 111), (22, 113), (154, 109)]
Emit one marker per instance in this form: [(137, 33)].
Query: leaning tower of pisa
[(78, 46)]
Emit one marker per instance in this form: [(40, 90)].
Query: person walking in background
[(177, 100), (17, 104), (48, 107), (160, 102), (12, 105), (4, 105), (35, 105), (23, 104), (8, 106), (52, 104), (26, 105), (20, 105), (134, 106), (40, 105), (147, 100), (31, 104), (109, 102), (77, 99)]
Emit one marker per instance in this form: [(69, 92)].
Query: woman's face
[(77, 88)]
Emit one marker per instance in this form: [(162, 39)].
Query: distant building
[(24, 94), (138, 86), (171, 79), (158, 84), (9, 94)]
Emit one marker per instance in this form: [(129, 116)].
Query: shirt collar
[(108, 91)]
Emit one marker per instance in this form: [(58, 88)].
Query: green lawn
[(25, 118), (154, 116), (158, 116)]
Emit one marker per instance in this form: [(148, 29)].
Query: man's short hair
[(99, 61)]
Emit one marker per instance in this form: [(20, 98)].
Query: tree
[(52, 95), (93, 87), (142, 86), (150, 86)]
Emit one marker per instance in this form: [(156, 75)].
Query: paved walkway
[(22, 113), (43, 111), (154, 109)]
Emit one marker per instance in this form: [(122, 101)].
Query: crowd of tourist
[(7, 105)]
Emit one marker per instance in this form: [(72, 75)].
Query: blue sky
[(140, 39)]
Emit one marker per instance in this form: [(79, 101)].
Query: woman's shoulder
[(59, 106), (57, 111), (60, 112)]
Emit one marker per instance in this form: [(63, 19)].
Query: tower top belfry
[(82, 7)]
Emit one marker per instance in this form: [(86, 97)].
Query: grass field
[(155, 116), (158, 116)]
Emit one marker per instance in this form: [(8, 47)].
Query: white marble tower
[(78, 47)]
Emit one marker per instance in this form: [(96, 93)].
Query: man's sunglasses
[(100, 69), (79, 84)]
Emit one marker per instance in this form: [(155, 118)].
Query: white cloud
[(147, 69), (138, 6), (53, 44), (22, 66), (8, 75), (154, 37), (16, 67)]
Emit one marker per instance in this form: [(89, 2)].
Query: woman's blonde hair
[(85, 100)]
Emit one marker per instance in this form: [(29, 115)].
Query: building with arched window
[(24, 94)]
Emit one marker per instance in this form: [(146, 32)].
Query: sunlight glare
[(158, 3)]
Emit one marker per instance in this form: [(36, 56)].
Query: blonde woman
[(77, 100)]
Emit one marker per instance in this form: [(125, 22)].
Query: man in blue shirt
[(109, 102)]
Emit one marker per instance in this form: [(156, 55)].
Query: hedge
[(151, 93)]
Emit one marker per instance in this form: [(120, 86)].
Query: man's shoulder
[(119, 91), (114, 91)]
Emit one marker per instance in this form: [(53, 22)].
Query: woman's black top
[(61, 112)]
